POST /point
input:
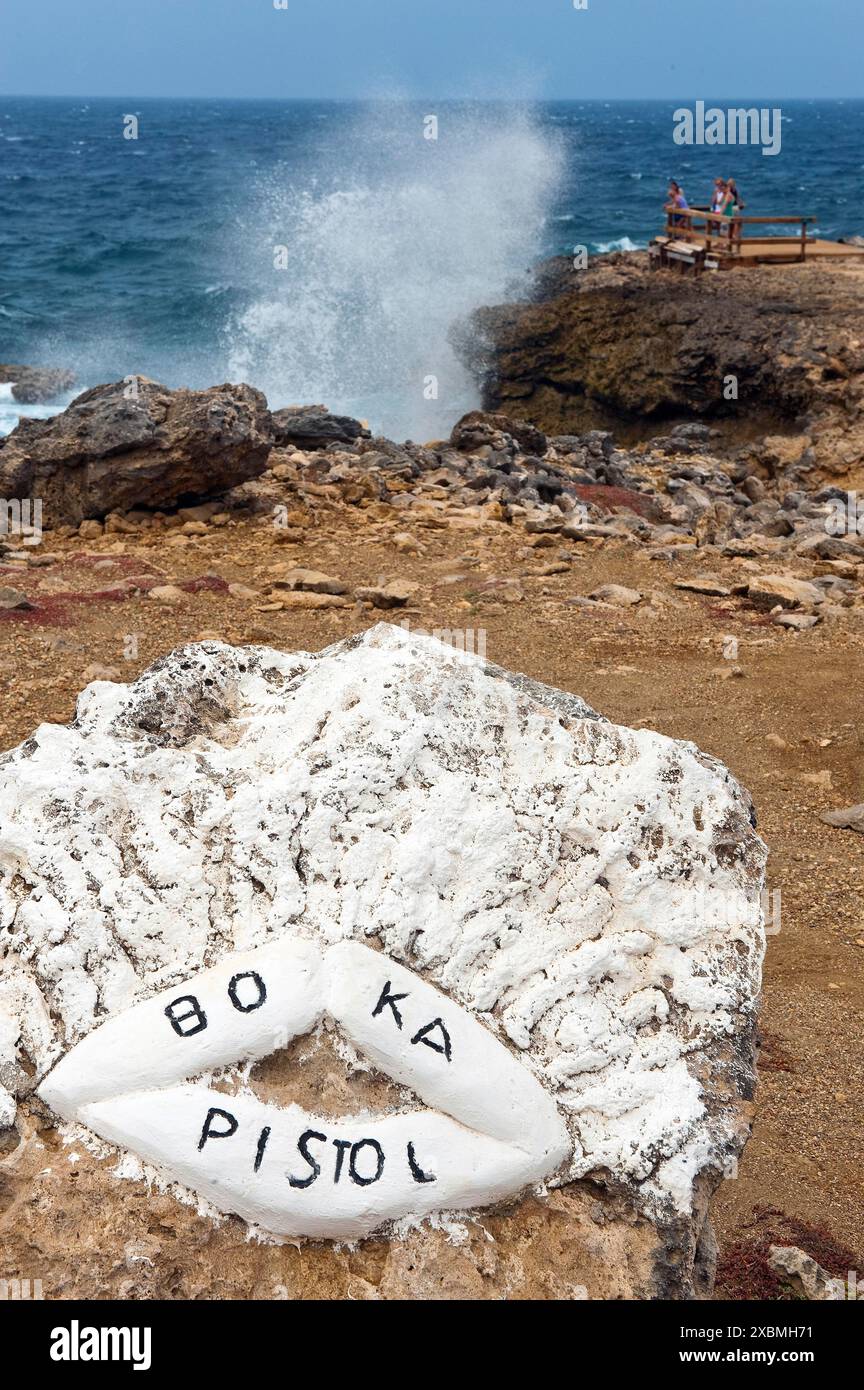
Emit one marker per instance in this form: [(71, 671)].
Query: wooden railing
[(724, 235)]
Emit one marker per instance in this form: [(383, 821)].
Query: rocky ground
[(703, 590), (684, 555)]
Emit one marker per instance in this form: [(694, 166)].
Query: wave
[(622, 243), (384, 254), (11, 411)]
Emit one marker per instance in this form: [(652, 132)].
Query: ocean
[(333, 252)]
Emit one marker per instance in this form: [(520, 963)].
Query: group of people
[(726, 201)]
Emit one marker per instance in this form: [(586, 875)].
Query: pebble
[(771, 589), (796, 622), (394, 594), (616, 594), (704, 585), (13, 598), (311, 581), (407, 544), (302, 599), (167, 593), (95, 672)]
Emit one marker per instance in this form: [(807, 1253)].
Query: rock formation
[(622, 347), (313, 427), (589, 894), (135, 443), (32, 385)]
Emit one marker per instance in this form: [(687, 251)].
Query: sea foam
[(388, 248)]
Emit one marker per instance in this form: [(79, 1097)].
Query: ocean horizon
[(331, 251)]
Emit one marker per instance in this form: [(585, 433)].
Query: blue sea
[(334, 252)]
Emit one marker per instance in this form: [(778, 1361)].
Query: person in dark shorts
[(675, 198)]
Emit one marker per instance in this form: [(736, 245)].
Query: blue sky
[(433, 48)]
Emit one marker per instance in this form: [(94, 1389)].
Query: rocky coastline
[(136, 458), (756, 354), (665, 548)]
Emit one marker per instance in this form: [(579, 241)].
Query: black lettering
[(340, 1145), (208, 1132), (442, 1047), (416, 1171), (302, 1144), (259, 985), (392, 1000), (352, 1162), (262, 1144), (177, 1020)]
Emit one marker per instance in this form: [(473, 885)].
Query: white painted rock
[(545, 928)]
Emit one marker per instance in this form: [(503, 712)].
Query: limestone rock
[(587, 895), (311, 581), (797, 622), (167, 593), (480, 427), (33, 385), (704, 584), (851, 818), (394, 594), (313, 427), (807, 1278), (13, 598), (769, 590), (301, 598), (136, 443), (611, 345), (617, 594)]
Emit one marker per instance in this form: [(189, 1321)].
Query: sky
[(433, 48)]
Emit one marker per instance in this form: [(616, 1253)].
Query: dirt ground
[(785, 716)]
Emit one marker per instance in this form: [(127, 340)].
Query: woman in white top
[(723, 202)]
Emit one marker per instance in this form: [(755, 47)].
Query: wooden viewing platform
[(698, 239)]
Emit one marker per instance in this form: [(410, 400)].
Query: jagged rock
[(617, 343), (769, 590), (313, 427), (33, 385), (136, 443), (852, 818), (587, 896), (479, 428), (394, 594), (617, 594), (797, 622), (312, 581), (808, 1279), (704, 584), (831, 548)]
